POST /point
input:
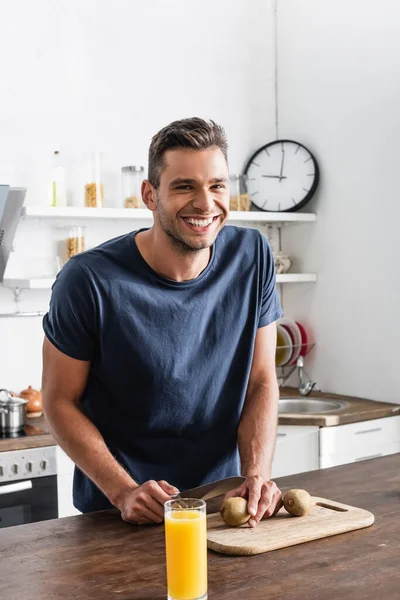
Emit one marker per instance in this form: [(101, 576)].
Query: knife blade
[(213, 489)]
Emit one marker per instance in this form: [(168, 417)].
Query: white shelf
[(296, 278), (140, 214), (38, 283)]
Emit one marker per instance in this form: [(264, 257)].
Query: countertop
[(30, 441), (100, 557), (357, 409)]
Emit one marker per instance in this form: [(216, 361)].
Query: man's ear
[(149, 195)]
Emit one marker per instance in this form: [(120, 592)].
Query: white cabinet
[(65, 474), (296, 450), (359, 441)]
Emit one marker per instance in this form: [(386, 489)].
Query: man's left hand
[(264, 498)]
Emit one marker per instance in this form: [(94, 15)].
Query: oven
[(28, 486)]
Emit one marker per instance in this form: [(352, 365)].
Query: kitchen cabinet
[(297, 450), (65, 475), (359, 441)]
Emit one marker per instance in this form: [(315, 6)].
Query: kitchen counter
[(100, 557), (357, 409), (30, 440)]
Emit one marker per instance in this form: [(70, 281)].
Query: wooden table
[(99, 557)]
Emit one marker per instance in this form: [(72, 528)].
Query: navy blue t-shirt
[(170, 361)]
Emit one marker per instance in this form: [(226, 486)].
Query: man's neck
[(168, 261)]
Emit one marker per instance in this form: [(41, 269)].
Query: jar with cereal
[(75, 241), (131, 183), (239, 197), (94, 191)]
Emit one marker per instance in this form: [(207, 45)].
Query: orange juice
[(186, 549)]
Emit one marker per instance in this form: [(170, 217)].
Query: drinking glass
[(186, 548)]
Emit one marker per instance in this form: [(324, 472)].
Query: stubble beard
[(178, 241)]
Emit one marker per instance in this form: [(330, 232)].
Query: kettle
[(34, 401)]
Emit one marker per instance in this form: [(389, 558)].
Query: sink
[(310, 405)]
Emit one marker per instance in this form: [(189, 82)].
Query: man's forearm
[(257, 429), (82, 441)]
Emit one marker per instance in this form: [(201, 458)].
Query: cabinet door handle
[(282, 434), (15, 487), (369, 430), (367, 457)]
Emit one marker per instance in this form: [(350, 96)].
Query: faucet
[(305, 386)]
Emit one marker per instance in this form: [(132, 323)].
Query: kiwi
[(297, 502), (234, 511)]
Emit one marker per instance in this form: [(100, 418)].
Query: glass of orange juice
[(186, 548)]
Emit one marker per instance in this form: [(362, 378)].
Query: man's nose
[(204, 201)]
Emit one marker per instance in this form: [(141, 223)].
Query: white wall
[(107, 74), (339, 93)]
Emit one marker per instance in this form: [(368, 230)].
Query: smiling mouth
[(200, 223)]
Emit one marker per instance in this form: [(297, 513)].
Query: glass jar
[(239, 197), (94, 191), (75, 241), (131, 184), (58, 194)]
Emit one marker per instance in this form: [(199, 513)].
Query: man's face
[(193, 197)]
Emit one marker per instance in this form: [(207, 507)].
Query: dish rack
[(284, 372)]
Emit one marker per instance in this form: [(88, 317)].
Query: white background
[(339, 90)]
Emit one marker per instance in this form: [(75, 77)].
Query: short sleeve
[(270, 304), (70, 322)]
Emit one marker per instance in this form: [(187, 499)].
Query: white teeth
[(200, 222)]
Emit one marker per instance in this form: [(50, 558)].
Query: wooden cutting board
[(325, 518)]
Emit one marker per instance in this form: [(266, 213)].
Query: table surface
[(98, 556)]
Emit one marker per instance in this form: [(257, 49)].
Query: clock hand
[(275, 176), (283, 158)]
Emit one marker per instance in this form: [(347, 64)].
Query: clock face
[(281, 176)]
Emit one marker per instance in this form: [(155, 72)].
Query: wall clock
[(281, 176)]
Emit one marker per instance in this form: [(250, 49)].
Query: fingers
[(270, 502), (255, 485), (279, 504), (145, 504), (168, 488), (275, 498), (141, 516), (263, 505)]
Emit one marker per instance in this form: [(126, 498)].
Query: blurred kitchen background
[(102, 75)]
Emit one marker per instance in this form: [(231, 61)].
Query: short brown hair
[(193, 134)]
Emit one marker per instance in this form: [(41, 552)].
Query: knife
[(213, 489)]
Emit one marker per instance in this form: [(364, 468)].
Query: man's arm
[(64, 380), (259, 420), (257, 429)]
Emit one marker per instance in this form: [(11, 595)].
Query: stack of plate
[(292, 342)]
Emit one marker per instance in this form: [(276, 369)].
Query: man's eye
[(219, 186), (184, 187)]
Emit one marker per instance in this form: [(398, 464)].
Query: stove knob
[(14, 468), (1, 471), (29, 466), (43, 464)]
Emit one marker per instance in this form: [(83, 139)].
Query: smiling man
[(159, 355)]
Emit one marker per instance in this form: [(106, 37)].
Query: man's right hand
[(144, 504)]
